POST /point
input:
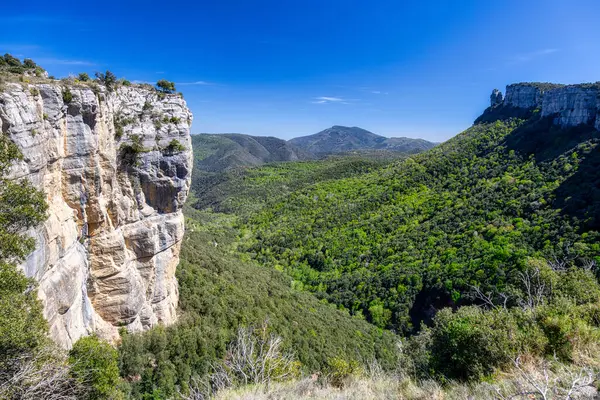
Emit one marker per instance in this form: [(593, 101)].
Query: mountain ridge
[(340, 139), (216, 152)]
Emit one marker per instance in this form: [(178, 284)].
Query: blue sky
[(289, 67)]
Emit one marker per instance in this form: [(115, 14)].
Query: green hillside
[(397, 244), (224, 152), (245, 191), (220, 292)]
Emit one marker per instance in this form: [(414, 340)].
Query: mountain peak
[(340, 139)]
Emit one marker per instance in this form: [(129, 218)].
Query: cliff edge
[(115, 166), (567, 105)]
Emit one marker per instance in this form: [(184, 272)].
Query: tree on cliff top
[(165, 86)]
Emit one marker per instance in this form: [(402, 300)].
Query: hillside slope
[(224, 152), (247, 190), (398, 244), (340, 139), (220, 293)]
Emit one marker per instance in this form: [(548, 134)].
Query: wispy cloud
[(329, 100), (523, 58), (61, 61), (194, 83)]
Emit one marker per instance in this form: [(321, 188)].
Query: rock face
[(496, 98), (569, 105), (115, 167)]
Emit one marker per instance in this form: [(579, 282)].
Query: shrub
[(95, 364), (108, 79), (83, 77), (175, 147), (339, 370), (579, 285), (165, 86), (470, 343), (28, 63), (171, 120), (131, 151), (22, 325), (11, 61), (124, 82), (67, 95)]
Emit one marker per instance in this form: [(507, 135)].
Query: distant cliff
[(115, 166), (568, 105)]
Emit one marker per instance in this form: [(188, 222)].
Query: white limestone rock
[(106, 256), (523, 96)]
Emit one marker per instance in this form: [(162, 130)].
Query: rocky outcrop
[(523, 96), (568, 105), (496, 98), (573, 105), (115, 167)]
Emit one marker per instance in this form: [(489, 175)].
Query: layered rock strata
[(569, 105), (115, 167)]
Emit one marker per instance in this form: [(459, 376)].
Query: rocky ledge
[(115, 167), (568, 105)]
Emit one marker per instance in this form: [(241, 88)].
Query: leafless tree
[(589, 264), (545, 383), (200, 389), (487, 299), (536, 288), (254, 358), (43, 375)]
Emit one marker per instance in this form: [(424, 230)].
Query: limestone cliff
[(568, 105), (115, 167)]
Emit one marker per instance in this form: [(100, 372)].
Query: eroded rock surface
[(568, 105), (107, 254)]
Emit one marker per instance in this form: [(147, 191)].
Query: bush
[(165, 86), (11, 61), (22, 325), (28, 63), (175, 147), (131, 151), (83, 77), (108, 79), (67, 95), (95, 364), (471, 343), (340, 370)]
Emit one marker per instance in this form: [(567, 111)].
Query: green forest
[(448, 267), (466, 257)]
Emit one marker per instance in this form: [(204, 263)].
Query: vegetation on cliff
[(31, 366)]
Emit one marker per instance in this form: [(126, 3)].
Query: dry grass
[(526, 380)]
